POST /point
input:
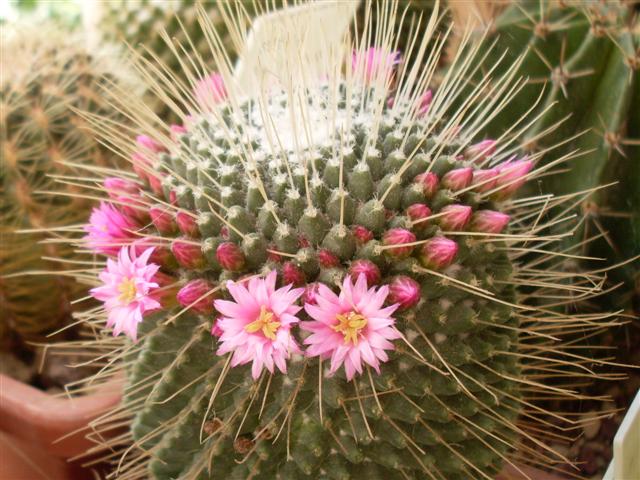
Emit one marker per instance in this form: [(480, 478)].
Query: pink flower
[(374, 63), (404, 291), (484, 180), (367, 268), (109, 229), (511, 176), (257, 325), (398, 236), (429, 182), (149, 144), (230, 256), (455, 217), (197, 296), (480, 151), (310, 293), (215, 328), (351, 328), (425, 102), (126, 290), (210, 91), (489, 221), (458, 178), (438, 252), (117, 187), (177, 130)]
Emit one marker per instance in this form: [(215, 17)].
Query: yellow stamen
[(350, 325), (266, 323), (127, 289)]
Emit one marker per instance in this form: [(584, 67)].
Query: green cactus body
[(582, 61), (341, 181), (44, 76)]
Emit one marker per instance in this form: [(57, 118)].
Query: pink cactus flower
[(429, 182), (188, 254), (367, 268), (126, 290), (404, 291), (458, 178), (425, 103), (398, 236), (177, 130), (149, 144), (230, 256), (216, 331), (117, 187), (256, 326), (455, 217), (511, 176), (374, 63), (109, 229), (187, 224), (361, 234), (419, 212), (311, 293), (210, 91), (438, 252), (351, 328), (480, 151), (292, 274), (484, 180), (489, 221), (197, 296), (162, 219)]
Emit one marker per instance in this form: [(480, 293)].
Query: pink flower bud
[(404, 291), (272, 255), (177, 130), (134, 207), (162, 219), (489, 221), (166, 291), (438, 252), (118, 186), (374, 63), (484, 180), (230, 256), (141, 165), (326, 259), (455, 217), (160, 255), (303, 242), (149, 144), (425, 102), (196, 295), (310, 293), (511, 176), (155, 182), (398, 236), (367, 268), (187, 254), (216, 331), (210, 91), (458, 178), (429, 182), (187, 224), (292, 275), (361, 234), (418, 212), (480, 151)]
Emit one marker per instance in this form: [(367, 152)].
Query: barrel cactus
[(45, 75), (331, 280), (575, 54)]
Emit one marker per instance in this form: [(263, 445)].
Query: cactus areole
[(338, 288)]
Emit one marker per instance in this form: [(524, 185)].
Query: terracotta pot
[(41, 420)]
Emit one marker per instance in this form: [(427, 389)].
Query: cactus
[(583, 58), (44, 75), (247, 221)]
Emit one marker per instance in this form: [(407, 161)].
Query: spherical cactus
[(43, 145), (361, 297)]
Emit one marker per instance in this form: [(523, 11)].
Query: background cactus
[(322, 183), (583, 58), (45, 74)]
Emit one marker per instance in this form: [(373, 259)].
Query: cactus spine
[(341, 178)]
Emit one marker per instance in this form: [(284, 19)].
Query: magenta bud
[(230, 256), (361, 234), (398, 236), (429, 182), (162, 219), (404, 291), (418, 213), (310, 293), (458, 178), (511, 176), (454, 217), (196, 296), (367, 268), (160, 255), (484, 180), (489, 221), (326, 259), (438, 252), (292, 274), (116, 187), (425, 102), (149, 144), (141, 165), (216, 331), (480, 151), (187, 224), (134, 207), (155, 182), (187, 254)]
